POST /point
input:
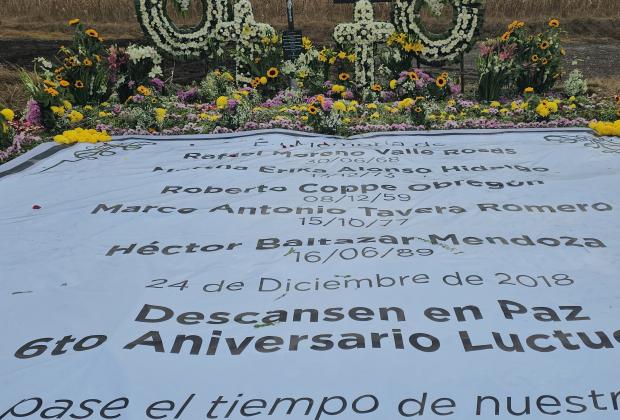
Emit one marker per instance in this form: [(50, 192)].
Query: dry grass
[(45, 18), (12, 94)]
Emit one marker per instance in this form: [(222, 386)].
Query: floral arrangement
[(538, 56), (247, 35), (6, 131), (363, 34), (440, 48), (134, 68), (325, 97), (182, 44)]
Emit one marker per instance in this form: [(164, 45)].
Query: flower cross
[(245, 33), (363, 33)]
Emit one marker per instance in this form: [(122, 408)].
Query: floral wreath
[(180, 43), (449, 45)]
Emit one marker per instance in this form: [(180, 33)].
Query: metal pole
[(462, 73)]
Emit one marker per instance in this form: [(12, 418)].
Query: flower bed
[(88, 93)]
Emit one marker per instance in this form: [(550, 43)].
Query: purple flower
[(33, 114), (158, 84), (189, 95)]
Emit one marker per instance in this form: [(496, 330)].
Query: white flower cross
[(244, 32), (363, 33)]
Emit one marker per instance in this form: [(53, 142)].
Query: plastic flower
[(273, 72)]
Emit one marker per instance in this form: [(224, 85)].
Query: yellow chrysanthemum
[(160, 115), (8, 114), (222, 102)]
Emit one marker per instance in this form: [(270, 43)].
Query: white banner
[(289, 276)]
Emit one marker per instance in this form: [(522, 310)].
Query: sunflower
[(273, 72), (529, 90), (376, 88), (79, 84), (100, 39), (87, 62), (544, 61), (74, 22), (49, 83), (418, 109), (535, 58), (59, 77), (506, 36), (51, 91), (554, 23), (143, 90), (544, 45), (64, 83), (313, 110), (255, 82), (344, 76), (91, 33), (413, 76), (441, 82)]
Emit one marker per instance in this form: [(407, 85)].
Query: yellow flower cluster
[(603, 128), (330, 56), (546, 108), (7, 115), (160, 115), (405, 43), (79, 135)]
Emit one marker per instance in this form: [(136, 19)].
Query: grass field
[(116, 18)]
